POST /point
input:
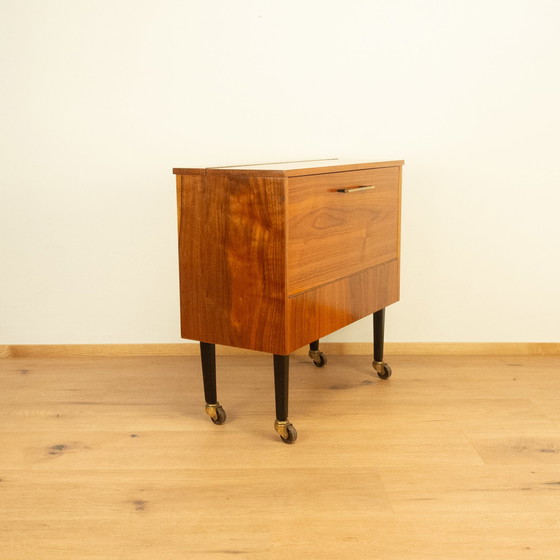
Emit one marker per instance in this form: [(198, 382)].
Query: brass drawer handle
[(356, 189)]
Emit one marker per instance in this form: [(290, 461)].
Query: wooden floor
[(114, 458)]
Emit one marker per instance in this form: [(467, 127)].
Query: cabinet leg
[(208, 358), (319, 359), (281, 389), (382, 368)]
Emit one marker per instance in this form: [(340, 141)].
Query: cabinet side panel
[(321, 311), (232, 261), (179, 181)]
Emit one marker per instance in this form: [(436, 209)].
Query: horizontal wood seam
[(338, 279)]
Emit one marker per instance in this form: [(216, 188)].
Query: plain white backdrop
[(101, 99)]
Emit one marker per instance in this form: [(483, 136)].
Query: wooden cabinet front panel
[(318, 312), (333, 234)]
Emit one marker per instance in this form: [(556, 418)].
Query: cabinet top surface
[(291, 168)]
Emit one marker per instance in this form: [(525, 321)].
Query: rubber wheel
[(322, 361), (221, 416), (386, 373), (292, 435)]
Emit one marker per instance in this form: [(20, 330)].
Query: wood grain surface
[(315, 313), (331, 234), (232, 261), (338, 348), (249, 241), (454, 457)]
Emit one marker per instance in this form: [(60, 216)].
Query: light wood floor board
[(454, 457)]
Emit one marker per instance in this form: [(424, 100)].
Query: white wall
[(101, 98)]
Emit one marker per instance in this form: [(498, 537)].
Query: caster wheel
[(321, 361), (319, 358), (383, 369), (286, 431), (217, 413), (292, 435), (220, 416)]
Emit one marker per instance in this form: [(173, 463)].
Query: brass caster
[(319, 359), (286, 431), (383, 369), (216, 412)]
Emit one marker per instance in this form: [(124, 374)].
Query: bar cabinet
[(272, 257)]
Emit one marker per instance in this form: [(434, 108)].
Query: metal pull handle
[(356, 189)]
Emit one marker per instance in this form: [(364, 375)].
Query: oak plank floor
[(454, 457)]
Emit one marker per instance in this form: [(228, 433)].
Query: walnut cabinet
[(273, 257)]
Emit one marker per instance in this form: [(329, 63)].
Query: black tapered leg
[(281, 389), (382, 368), (281, 385), (378, 334), (208, 358)]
